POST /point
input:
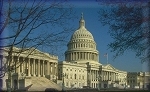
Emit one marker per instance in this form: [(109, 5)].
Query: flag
[(105, 55)]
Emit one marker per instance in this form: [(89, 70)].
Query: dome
[(82, 32), (81, 47)]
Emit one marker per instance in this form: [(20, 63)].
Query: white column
[(76, 55), (29, 74), (54, 69), (102, 75), (79, 55), (43, 69), (38, 68), (105, 75), (19, 65), (33, 67), (48, 68), (108, 75), (93, 74), (71, 56), (22, 64), (114, 76), (90, 56)]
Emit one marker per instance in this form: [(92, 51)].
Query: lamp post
[(63, 84), (99, 78), (125, 83)]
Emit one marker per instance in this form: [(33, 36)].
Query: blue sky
[(128, 62)]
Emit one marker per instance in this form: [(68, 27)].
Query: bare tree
[(126, 22), (129, 24), (32, 24)]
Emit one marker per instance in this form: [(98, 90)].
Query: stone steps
[(41, 83)]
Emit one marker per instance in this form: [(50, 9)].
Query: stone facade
[(31, 62), (138, 80), (75, 74), (113, 76), (83, 56)]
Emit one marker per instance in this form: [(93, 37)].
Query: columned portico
[(34, 66)]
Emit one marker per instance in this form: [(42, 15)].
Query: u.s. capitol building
[(82, 66)]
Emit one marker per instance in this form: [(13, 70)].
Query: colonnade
[(109, 75), (95, 75), (81, 56), (34, 66), (75, 45), (94, 78)]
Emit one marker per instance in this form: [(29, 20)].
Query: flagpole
[(106, 55), (107, 58)]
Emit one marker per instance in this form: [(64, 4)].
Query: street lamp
[(125, 83), (99, 78), (63, 84)]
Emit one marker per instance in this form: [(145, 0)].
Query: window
[(75, 76)]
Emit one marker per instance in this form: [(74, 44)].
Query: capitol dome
[(82, 33), (81, 46)]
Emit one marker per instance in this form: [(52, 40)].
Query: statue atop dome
[(82, 22), (82, 16)]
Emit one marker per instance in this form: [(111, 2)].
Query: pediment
[(31, 52), (109, 67)]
